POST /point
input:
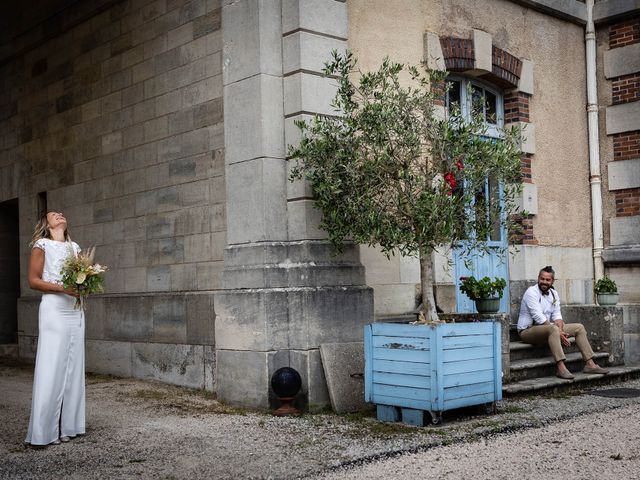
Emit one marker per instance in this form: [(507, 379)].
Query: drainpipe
[(594, 145)]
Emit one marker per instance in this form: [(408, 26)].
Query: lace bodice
[(55, 253)]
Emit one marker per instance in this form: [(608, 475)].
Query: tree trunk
[(426, 281)]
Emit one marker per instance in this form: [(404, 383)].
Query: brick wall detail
[(516, 107), (627, 202), (506, 68), (525, 234), (526, 167), (626, 146), (624, 33), (625, 89), (459, 54)]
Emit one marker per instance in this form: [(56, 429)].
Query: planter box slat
[(451, 343), (404, 402), (468, 390), (398, 355), (469, 401), (468, 378), (401, 343), (395, 391), (432, 367), (408, 368), (471, 353), (462, 329), (398, 330), (466, 366), (403, 380)]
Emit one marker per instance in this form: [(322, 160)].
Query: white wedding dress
[(57, 406)]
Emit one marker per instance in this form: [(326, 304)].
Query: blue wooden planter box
[(431, 368)]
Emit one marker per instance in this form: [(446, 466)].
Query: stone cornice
[(574, 11), (570, 10)]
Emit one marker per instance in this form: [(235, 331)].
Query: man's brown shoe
[(600, 370), (565, 374)]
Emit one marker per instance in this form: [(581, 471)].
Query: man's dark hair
[(547, 269)]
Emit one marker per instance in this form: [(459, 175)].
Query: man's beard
[(544, 288)]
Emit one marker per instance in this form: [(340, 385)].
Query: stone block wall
[(604, 327), (620, 93), (631, 318), (115, 111)]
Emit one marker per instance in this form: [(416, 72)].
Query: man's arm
[(555, 314), (532, 302)]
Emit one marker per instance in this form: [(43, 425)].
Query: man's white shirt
[(537, 308)]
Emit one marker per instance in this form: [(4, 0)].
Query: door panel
[(494, 263)]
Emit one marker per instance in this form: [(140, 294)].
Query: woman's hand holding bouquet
[(81, 276)]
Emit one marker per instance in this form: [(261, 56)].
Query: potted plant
[(606, 291), (485, 293)]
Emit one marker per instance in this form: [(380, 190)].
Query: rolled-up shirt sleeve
[(534, 307), (555, 314)]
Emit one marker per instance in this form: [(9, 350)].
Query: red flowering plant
[(393, 168)]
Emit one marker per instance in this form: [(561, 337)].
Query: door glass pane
[(480, 204), (477, 102), (494, 195), (490, 103), (453, 96)]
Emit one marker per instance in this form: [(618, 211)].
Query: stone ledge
[(622, 60), (624, 174), (613, 10), (625, 255), (307, 274), (265, 253), (570, 10), (624, 117), (624, 230)]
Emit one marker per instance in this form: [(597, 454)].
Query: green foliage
[(392, 169), (483, 288), (605, 285)]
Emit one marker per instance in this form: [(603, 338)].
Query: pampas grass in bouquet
[(81, 275)]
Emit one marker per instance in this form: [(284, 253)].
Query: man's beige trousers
[(541, 334)]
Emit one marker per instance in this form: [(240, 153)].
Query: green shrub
[(605, 285), (483, 288)]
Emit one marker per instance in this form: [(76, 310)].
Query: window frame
[(493, 130)]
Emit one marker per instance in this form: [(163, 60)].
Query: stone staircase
[(532, 368)]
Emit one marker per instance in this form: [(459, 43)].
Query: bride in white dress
[(58, 405)]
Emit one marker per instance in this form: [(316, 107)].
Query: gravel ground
[(605, 445), (145, 429)]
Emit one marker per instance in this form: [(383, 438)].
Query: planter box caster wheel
[(491, 408), (436, 417)]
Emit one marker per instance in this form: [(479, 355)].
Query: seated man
[(540, 322)]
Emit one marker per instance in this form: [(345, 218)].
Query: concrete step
[(546, 366), (522, 351), (9, 350), (550, 384)]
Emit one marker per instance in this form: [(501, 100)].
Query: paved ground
[(138, 429)]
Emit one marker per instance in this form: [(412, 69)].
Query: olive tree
[(394, 168)]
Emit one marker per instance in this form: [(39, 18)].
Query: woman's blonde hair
[(42, 230)]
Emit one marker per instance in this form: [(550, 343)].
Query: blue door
[(493, 263)]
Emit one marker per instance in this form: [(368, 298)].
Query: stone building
[(160, 128)]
